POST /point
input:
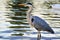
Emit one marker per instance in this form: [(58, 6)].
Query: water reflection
[(13, 24), (19, 18), (13, 20)]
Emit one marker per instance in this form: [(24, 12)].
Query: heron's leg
[(39, 35)]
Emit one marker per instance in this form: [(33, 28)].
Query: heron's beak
[(21, 5)]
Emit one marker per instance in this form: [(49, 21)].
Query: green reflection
[(18, 16), (20, 13), (17, 22), (20, 34), (19, 27)]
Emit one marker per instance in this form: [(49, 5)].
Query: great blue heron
[(38, 23)]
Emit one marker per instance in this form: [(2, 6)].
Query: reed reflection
[(18, 17)]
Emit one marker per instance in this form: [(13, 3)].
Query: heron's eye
[(32, 19)]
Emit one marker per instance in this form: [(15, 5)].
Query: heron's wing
[(40, 23)]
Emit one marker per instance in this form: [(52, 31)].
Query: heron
[(38, 23)]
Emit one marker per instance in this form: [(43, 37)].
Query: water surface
[(13, 24)]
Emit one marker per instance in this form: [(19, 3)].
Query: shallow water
[(15, 27)]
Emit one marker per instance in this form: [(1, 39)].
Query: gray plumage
[(40, 24)]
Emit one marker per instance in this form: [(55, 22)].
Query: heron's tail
[(51, 31)]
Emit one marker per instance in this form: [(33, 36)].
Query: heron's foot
[(39, 37)]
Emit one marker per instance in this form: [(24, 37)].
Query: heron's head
[(26, 5)]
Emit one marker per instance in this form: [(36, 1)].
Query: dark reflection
[(17, 22), (20, 13), (20, 34), (19, 27), (18, 16)]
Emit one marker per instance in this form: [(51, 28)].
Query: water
[(13, 24)]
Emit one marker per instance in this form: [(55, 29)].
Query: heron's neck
[(29, 14)]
